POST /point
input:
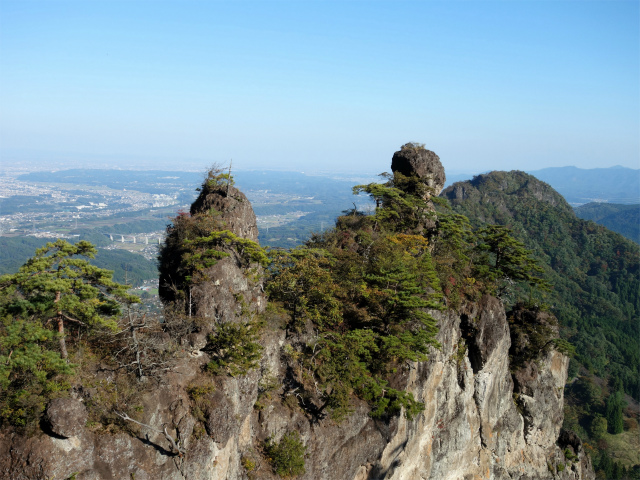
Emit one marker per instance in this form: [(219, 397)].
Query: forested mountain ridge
[(595, 272), (624, 219)]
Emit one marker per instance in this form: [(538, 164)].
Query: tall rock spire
[(414, 159)]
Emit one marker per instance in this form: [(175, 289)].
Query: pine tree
[(53, 289), (506, 259), (614, 406), (58, 287)]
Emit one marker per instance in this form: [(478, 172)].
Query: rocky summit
[(414, 159), (488, 414)]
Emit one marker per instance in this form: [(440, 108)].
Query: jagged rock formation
[(477, 424), (225, 288), (473, 426), (414, 159)]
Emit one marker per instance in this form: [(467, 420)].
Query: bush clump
[(287, 455)]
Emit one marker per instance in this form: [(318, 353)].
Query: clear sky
[(320, 85)]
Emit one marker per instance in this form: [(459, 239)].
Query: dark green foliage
[(365, 288), (595, 273), (506, 259), (58, 285), (613, 409), (234, 348), (287, 455), (401, 202), (624, 219), (607, 469), (56, 288), (369, 313), (598, 426), (31, 371)]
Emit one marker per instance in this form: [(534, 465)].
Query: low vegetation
[(287, 455)]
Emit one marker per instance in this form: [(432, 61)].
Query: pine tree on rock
[(59, 287)]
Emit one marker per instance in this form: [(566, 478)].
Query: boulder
[(66, 417)]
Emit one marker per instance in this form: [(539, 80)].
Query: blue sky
[(319, 85)]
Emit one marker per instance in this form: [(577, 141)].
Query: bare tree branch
[(175, 447)]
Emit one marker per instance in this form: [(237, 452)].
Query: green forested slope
[(624, 219), (594, 272), (127, 266)]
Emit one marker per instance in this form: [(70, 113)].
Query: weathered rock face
[(234, 209), (415, 160), (481, 420), (66, 417), (473, 426), (231, 287)]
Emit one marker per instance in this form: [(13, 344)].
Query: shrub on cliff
[(287, 455), (365, 289), (235, 348)]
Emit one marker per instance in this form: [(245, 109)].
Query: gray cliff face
[(473, 426), (484, 418)]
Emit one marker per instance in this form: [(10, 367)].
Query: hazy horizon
[(320, 86)]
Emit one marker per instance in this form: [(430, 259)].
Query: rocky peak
[(414, 159), (220, 288), (231, 207), (481, 420), (494, 186)]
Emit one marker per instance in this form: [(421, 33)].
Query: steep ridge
[(492, 406), (595, 275), (595, 272)]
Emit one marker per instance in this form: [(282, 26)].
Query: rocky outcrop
[(414, 159), (477, 423), (66, 417), (485, 417), (234, 210), (232, 287)]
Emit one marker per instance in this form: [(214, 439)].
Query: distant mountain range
[(579, 185)]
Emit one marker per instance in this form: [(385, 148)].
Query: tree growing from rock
[(55, 290)]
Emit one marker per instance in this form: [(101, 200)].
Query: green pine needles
[(235, 348), (56, 290), (287, 455), (367, 288)]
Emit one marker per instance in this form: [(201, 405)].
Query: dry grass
[(625, 447)]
